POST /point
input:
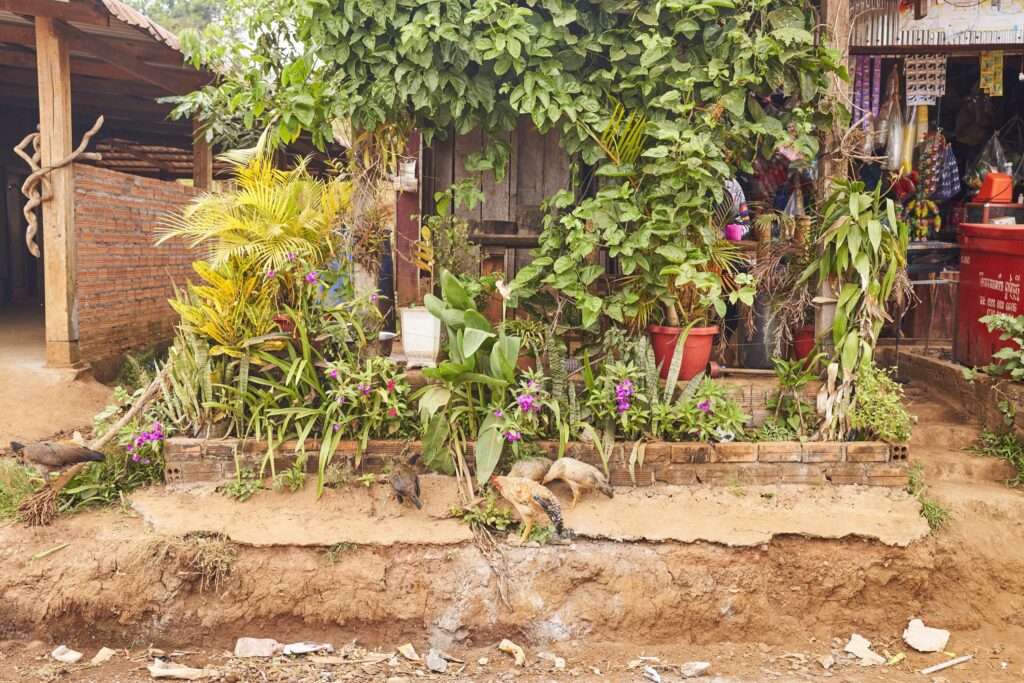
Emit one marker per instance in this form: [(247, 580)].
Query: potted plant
[(690, 291), (443, 245)]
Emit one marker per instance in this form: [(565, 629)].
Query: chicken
[(579, 476), (50, 457), (532, 468), (531, 500), (406, 482)]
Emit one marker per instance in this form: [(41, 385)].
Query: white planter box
[(421, 337)]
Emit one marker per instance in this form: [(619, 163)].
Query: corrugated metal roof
[(131, 16)]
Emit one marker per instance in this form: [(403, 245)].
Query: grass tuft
[(935, 513), (15, 485)]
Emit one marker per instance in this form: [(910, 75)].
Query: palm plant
[(267, 218)]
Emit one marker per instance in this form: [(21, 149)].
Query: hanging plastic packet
[(992, 158), (894, 137)]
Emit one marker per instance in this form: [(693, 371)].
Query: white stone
[(827, 662), (925, 639), (102, 657), (483, 661), (694, 669), (860, 647), (257, 647), (66, 655), (435, 662)]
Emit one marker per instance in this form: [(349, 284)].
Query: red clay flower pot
[(803, 341), (696, 349)]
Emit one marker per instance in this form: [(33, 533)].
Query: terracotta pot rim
[(668, 329)]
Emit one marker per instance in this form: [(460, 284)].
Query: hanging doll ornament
[(923, 212)]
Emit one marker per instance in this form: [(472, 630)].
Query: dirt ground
[(762, 612), (36, 401)]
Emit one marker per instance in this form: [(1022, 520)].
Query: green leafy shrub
[(1009, 360), (878, 406)]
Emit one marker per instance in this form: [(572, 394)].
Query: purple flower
[(498, 413), (373, 297), (333, 373), (337, 426), (290, 256), (513, 435), (146, 461), (135, 458), (341, 400), (312, 276), (525, 402), (270, 273), (391, 385), (705, 406), (392, 412)]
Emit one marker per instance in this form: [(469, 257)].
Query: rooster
[(532, 468), (579, 476), (531, 500), (50, 457), (406, 482)]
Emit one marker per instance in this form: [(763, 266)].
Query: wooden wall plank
[(467, 144)]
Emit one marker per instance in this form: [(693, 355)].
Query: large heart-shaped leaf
[(436, 455), (489, 444), (453, 292)]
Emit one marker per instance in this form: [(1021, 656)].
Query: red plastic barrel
[(991, 274)]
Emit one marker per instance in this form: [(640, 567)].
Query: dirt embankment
[(110, 583)]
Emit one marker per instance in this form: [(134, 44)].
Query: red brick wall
[(124, 278)]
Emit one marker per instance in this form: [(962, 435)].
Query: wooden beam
[(87, 84), (920, 9), (18, 34), (126, 148), (76, 39), (83, 66), (82, 12), (202, 158), (60, 259)]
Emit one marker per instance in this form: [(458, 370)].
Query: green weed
[(1005, 446), (15, 484), (935, 513)]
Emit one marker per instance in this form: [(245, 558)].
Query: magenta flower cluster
[(312, 276), (153, 435), (705, 406), (623, 390), (364, 388), (513, 435), (528, 402)]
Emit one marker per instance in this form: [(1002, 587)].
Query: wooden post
[(835, 15), (59, 255), (407, 232), (202, 158)]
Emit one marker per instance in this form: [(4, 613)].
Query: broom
[(40, 508)]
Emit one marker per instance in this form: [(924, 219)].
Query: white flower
[(503, 289)]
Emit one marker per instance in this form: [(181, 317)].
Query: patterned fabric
[(949, 177)]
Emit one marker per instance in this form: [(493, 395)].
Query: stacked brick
[(871, 463), (124, 278)]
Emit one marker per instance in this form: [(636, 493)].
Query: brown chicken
[(532, 468), (579, 476), (50, 457), (531, 500), (406, 482)]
